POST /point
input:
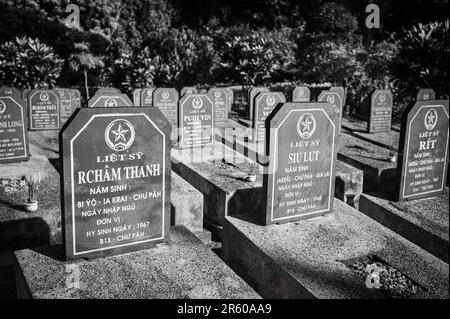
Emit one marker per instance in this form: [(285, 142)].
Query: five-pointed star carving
[(306, 125), (431, 117), (110, 103), (120, 134)]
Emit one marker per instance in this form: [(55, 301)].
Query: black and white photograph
[(224, 154)]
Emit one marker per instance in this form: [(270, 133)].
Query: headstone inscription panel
[(302, 144), (426, 94), (43, 110), (13, 131), (115, 181), (137, 97), (252, 93), (147, 96), (166, 100), (341, 92), (196, 121), (335, 99), (66, 107), (265, 103), (423, 157), (220, 100), (301, 94), (110, 100), (380, 115), (188, 90)]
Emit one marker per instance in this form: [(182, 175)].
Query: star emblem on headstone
[(119, 134), (306, 124), (110, 103)]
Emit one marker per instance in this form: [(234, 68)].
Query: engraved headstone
[(43, 109), (13, 131), (265, 103), (110, 100), (301, 94), (188, 90), (380, 114), (116, 181), (334, 98), (65, 98), (302, 144), (10, 91), (147, 96), (137, 97), (166, 99), (220, 100), (196, 120), (423, 157), (426, 94), (76, 98), (252, 93)]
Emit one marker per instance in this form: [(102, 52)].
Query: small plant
[(33, 181)]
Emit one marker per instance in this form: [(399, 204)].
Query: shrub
[(28, 63)]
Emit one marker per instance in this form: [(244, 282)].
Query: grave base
[(423, 221), (184, 268), (306, 259)]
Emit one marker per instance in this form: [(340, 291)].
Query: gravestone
[(76, 98), (107, 91), (147, 96), (265, 102), (335, 99), (10, 91), (110, 100), (302, 144), (137, 97), (423, 156), (426, 94), (13, 131), (301, 94), (196, 121), (116, 181), (166, 100), (252, 93), (230, 98), (220, 99), (341, 92), (65, 98), (25, 94), (380, 114), (188, 90), (43, 110)]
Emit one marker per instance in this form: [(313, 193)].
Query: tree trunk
[(86, 84)]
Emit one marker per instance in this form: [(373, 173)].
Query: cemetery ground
[(284, 200)]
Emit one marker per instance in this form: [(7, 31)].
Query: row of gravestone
[(116, 170)]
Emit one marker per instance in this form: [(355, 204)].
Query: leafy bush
[(422, 60), (28, 63), (332, 18)]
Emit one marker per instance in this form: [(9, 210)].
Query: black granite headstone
[(13, 131), (110, 100), (423, 157), (265, 103), (43, 110), (426, 94), (302, 144), (220, 100), (196, 121), (301, 94), (380, 115), (166, 99), (335, 99), (115, 182)]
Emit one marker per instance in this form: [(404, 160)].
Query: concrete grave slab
[(309, 259), (183, 268)]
